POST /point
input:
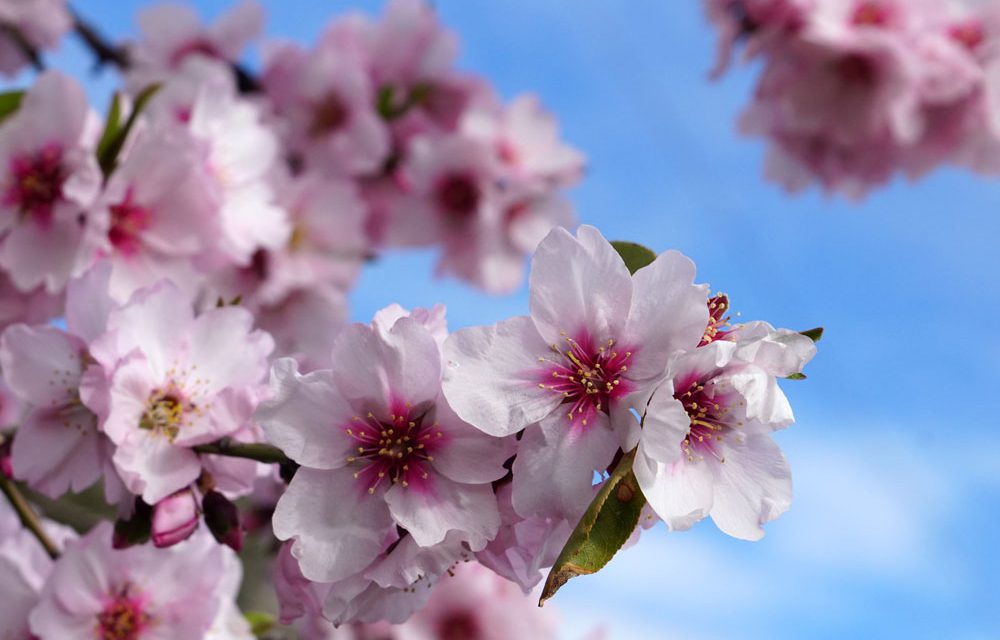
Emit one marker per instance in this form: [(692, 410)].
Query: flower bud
[(175, 518), (223, 519)]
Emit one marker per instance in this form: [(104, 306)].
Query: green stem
[(28, 517), (252, 451)]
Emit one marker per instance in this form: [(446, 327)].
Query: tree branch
[(252, 451), (106, 52), (27, 515), (25, 47)]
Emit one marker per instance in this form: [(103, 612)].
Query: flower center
[(398, 449), (969, 34), (870, 14), (166, 411), (128, 221), (718, 321), (588, 378), (710, 420), (37, 183), (856, 70), (122, 618), (458, 195), (459, 625), (328, 116)]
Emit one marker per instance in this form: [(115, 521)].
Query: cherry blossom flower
[(595, 344), (173, 32), (706, 446), (375, 438), (327, 101), (241, 154), (526, 140), (176, 380), (139, 592), (157, 214), (49, 178), (58, 446)]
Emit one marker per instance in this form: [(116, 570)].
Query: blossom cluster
[(280, 192), (173, 329), (421, 450), (856, 92)]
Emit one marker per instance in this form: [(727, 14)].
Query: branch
[(253, 451), (23, 45), (28, 517), (106, 52), (109, 53)]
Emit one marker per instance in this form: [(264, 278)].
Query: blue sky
[(896, 450)]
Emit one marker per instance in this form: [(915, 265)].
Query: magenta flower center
[(718, 321), (459, 625), (37, 183), (122, 618), (328, 116), (398, 450), (711, 421), (587, 377), (856, 70), (128, 221), (870, 14), (969, 34), (458, 195)]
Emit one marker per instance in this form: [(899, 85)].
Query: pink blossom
[(327, 101), (42, 24), (855, 92), (175, 518), (305, 324), (241, 154), (455, 197), (706, 448), (138, 592), (49, 178), (376, 439), (524, 547), (157, 216), (327, 244), (58, 445), (30, 307), (176, 380), (596, 342), (409, 46), (172, 32), (526, 140)]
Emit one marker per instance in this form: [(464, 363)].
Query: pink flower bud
[(175, 518)]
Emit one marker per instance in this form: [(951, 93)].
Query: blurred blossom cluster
[(856, 92)]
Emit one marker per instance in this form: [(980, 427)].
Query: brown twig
[(27, 515), (22, 43)]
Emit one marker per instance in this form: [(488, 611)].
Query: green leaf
[(111, 126), (603, 529), (260, 622), (635, 255), (384, 103), (108, 157), (813, 334), (10, 102), (796, 376)]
